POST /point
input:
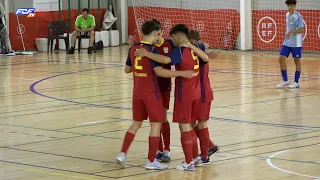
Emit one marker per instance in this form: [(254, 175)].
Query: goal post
[(245, 25)]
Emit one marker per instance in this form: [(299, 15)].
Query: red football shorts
[(185, 111), (204, 111), (142, 109), (166, 99)]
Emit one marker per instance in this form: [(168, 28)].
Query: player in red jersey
[(201, 128), (164, 47), (147, 101), (187, 91)]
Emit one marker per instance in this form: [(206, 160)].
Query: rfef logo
[(26, 11), (167, 24), (267, 29), (200, 26)]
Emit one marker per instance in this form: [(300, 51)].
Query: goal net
[(218, 21)]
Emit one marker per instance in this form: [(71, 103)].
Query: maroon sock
[(160, 148), (187, 144), (195, 150), (153, 147), (128, 138), (204, 141), (166, 135)]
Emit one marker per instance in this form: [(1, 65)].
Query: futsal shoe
[(166, 156), (155, 165), (213, 150), (159, 155), (283, 83), (121, 159), (294, 85), (186, 167)]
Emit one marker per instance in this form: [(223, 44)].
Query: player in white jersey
[(292, 44)]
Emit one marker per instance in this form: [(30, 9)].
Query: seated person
[(84, 27)]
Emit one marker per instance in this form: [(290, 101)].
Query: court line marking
[(27, 134), (94, 135), (173, 160), (9, 77), (267, 124), (64, 156), (125, 77), (87, 62), (222, 160), (279, 159), (33, 90), (56, 169), (283, 170), (112, 63), (46, 172), (211, 70), (93, 122), (14, 84), (36, 142), (256, 73), (82, 97), (273, 143)]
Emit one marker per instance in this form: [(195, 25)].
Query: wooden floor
[(64, 117)]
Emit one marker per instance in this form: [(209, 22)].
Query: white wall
[(84, 4), (20, 4), (46, 5)]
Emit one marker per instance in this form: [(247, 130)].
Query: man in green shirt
[(84, 26)]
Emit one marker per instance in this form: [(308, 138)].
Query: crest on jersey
[(166, 50), (291, 21)]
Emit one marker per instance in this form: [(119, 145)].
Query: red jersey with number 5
[(185, 59)]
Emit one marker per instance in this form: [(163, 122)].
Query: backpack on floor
[(98, 45)]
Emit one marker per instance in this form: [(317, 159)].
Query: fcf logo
[(267, 29), (25, 11)]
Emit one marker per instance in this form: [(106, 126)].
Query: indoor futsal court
[(64, 116)]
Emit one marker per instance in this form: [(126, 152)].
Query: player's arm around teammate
[(200, 53), (147, 102), (168, 60)]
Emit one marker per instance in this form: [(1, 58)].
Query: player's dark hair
[(193, 34), (179, 28), (157, 22), (85, 10), (150, 26), (288, 2)]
